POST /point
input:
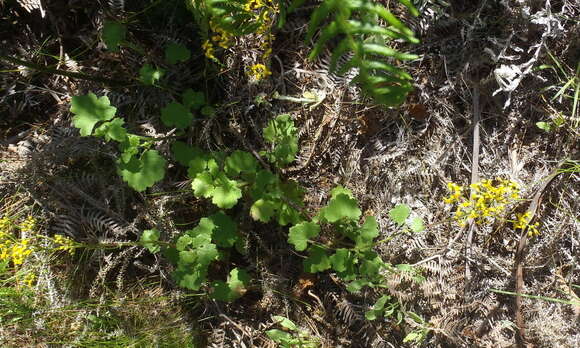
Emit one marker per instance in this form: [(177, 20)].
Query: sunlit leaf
[(89, 110), (149, 239), (148, 75), (141, 173), (400, 213)]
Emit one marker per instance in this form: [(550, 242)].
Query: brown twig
[(521, 254), (472, 227)]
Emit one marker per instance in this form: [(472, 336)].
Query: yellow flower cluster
[(259, 72), (487, 200), (15, 251), (263, 13), (5, 225), (29, 279), (28, 225), (523, 221), (11, 249), (255, 5), (66, 244)]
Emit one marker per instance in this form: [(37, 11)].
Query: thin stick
[(521, 254), (474, 179)]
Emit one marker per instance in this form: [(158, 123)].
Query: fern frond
[(356, 24), (233, 16)]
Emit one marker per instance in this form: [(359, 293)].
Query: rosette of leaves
[(274, 198), (362, 40), (197, 248), (226, 178), (282, 135), (351, 255), (138, 165), (220, 178)]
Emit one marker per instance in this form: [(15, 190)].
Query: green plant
[(292, 336), (362, 42), (350, 254), (569, 81), (113, 35), (138, 165), (401, 213), (220, 21), (388, 307)]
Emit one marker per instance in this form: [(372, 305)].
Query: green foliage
[(196, 251), (90, 110), (416, 224), (225, 233), (139, 169), (400, 213), (234, 288), (282, 135), (184, 153), (317, 260), (149, 76), (350, 255), (378, 310), (232, 16), (292, 337), (355, 261), (418, 335), (150, 239), (193, 99), (212, 183), (341, 207), (112, 130), (176, 115), (301, 233), (113, 34), (176, 53), (357, 24), (144, 171), (198, 248)]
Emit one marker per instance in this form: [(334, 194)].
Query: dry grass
[(125, 297)]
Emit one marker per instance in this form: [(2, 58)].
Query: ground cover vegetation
[(262, 173)]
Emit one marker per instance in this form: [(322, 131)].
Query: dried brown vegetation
[(483, 70)]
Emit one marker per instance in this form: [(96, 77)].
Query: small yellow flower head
[(20, 251), (30, 279), (208, 49), (258, 72), (523, 221), (5, 224), (65, 244), (28, 225)]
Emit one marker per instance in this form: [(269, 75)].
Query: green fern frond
[(233, 16), (356, 24)]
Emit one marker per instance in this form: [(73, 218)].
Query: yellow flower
[(208, 49), (66, 244), (30, 279), (5, 224), (28, 225), (20, 252), (487, 200), (259, 72)]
